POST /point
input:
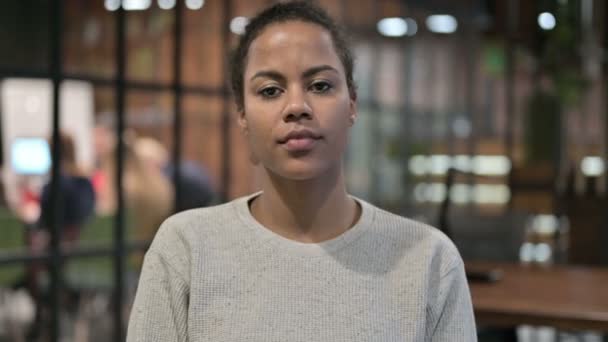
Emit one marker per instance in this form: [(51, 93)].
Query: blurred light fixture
[(420, 192), (543, 253), (441, 23), (436, 192), (412, 27), (545, 224), (195, 4), (492, 194), (592, 166), (546, 21), (461, 193), (527, 252), (136, 5), (430, 192), (462, 163), (417, 165), (166, 4), (112, 5), (238, 25), (535, 252), (439, 164), (392, 27), (491, 165)]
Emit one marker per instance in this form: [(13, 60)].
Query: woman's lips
[(300, 144), (301, 140)]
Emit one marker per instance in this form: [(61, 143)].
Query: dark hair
[(282, 12), (67, 146)]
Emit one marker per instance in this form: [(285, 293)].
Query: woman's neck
[(306, 211)]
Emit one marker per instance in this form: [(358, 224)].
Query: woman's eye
[(320, 87), (270, 92)]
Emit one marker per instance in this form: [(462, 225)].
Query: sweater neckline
[(364, 223)]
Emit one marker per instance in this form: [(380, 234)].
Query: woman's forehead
[(285, 43)]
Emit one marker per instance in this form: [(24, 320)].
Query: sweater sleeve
[(453, 317), (160, 308)]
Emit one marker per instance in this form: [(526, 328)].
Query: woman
[(148, 193), (301, 260)]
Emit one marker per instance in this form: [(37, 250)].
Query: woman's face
[(297, 109)]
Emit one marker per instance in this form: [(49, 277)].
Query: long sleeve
[(452, 312), (160, 309)]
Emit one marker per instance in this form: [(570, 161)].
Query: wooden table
[(565, 297)]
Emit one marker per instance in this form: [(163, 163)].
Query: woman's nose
[(297, 107)]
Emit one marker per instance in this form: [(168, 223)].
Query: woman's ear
[(242, 122), (244, 126), (352, 115), (253, 159)]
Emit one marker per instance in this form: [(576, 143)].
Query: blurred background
[(484, 118)]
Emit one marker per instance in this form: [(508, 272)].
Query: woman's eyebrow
[(275, 75), (317, 69), (268, 74)]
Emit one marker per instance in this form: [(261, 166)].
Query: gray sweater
[(216, 274)]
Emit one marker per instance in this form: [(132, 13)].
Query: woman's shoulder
[(196, 216), (187, 227), (402, 225), (412, 235)]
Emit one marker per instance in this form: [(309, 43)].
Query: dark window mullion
[(177, 103), (56, 22), (509, 87), (376, 111), (24, 73), (407, 119), (119, 223), (226, 140), (71, 253)]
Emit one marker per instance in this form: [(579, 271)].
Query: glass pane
[(148, 190), (248, 9), (359, 156), (13, 241), (358, 15), (389, 73), (150, 44), (26, 131), (25, 35), (104, 140), (26, 203), (244, 177), (202, 135), (203, 54), (88, 310), (89, 39), (335, 8), (243, 9), (389, 163)]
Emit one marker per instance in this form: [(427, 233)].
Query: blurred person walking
[(194, 184), (76, 205)]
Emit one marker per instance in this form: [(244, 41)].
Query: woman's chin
[(299, 172)]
